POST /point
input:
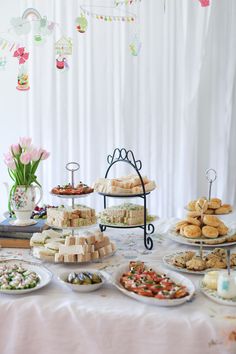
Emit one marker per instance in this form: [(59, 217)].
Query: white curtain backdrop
[(174, 105)]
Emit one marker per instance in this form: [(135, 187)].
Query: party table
[(57, 320)]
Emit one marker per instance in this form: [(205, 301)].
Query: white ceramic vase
[(23, 202)]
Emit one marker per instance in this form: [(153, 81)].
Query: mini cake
[(23, 82), (80, 215)]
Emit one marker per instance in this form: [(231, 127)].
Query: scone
[(193, 214), (201, 205), (209, 212), (180, 224), (192, 231), (224, 209), (193, 221), (222, 229), (191, 205), (210, 232), (211, 220), (196, 263), (216, 262), (214, 203)]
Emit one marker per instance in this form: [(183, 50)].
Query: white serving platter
[(220, 241), (178, 278)]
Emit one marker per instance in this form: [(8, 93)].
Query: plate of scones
[(193, 263), (207, 230)]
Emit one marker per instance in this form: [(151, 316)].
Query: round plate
[(71, 196), (178, 278), (82, 288), (44, 274), (167, 260), (69, 228), (212, 294), (197, 241), (23, 223)]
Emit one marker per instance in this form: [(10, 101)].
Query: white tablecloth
[(57, 320)]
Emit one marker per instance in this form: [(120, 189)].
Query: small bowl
[(82, 288)]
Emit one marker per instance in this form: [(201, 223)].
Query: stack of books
[(12, 236)]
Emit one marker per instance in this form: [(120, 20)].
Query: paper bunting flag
[(107, 14), (21, 55), (126, 2), (205, 3)]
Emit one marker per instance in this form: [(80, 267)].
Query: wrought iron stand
[(127, 156)]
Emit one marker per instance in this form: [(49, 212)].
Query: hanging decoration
[(135, 45), (3, 61), (63, 48), (81, 23), (23, 77), (31, 20), (114, 13), (205, 3), (107, 14)]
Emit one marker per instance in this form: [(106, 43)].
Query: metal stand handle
[(211, 176)]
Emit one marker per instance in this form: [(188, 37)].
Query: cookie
[(196, 263), (224, 209), (192, 231), (210, 232), (191, 205), (222, 229), (214, 203), (211, 220), (201, 205), (216, 262), (193, 221)]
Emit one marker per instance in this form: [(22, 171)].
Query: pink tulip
[(15, 149), (8, 156), (44, 154), (25, 158), (25, 142), (205, 3), (9, 161), (35, 154), (11, 165)]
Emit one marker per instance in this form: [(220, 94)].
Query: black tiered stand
[(127, 156)]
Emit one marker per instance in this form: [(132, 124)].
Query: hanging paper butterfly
[(205, 3), (21, 55)]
